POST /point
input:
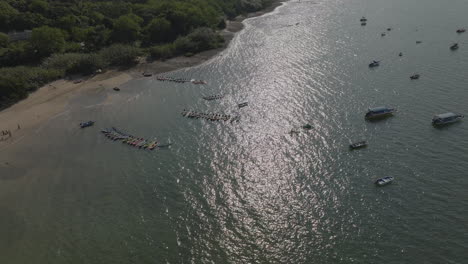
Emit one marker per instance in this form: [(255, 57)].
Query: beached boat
[(379, 112), (243, 104), (86, 124), (358, 145), (454, 46), (414, 76), (374, 64), (384, 181), (446, 118)]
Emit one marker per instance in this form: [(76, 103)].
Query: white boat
[(447, 118), (384, 181)]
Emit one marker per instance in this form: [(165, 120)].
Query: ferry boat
[(447, 118), (379, 112), (384, 181), (358, 145)]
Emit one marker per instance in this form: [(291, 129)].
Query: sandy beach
[(52, 99)]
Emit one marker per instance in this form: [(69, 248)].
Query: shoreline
[(52, 99)]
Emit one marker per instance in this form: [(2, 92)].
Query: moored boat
[(384, 181), (414, 76), (86, 124), (374, 64), (379, 112), (446, 118), (358, 145), (363, 19), (461, 30), (454, 46)]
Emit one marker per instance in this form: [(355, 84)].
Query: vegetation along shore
[(45, 40)]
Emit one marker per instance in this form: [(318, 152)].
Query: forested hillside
[(59, 37)]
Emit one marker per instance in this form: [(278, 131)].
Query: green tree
[(159, 30), (126, 29), (7, 14), (39, 6), (4, 40), (47, 40)]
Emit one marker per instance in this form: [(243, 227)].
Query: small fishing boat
[(198, 81), (461, 30), (363, 19), (363, 23), (374, 64), (116, 89), (400, 54), (383, 34), (86, 124), (414, 76), (243, 104), (389, 29), (418, 42), (307, 126), (147, 74), (379, 112), (454, 46), (358, 145), (384, 181), (447, 118)]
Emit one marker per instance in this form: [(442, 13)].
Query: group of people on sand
[(5, 133)]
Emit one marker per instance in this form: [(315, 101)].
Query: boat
[(418, 42), (363, 23), (389, 29), (198, 81), (461, 30), (116, 89), (414, 76), (400, 54), (446, 118), (86, 124), (379, 112), (358, 145), (374, 64), (307, 126), (147, 74), (383, 34), (454, 46), (384, 181), (243, 104), (363, 19)]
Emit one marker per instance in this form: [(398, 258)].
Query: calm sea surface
[(249, 192)]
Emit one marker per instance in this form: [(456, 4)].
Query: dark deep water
[(249, 192)]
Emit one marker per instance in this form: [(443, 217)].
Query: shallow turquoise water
[(249, 192)]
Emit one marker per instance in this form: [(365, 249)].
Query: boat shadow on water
[(447, 126)]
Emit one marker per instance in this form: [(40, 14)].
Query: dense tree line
[(73, 36)]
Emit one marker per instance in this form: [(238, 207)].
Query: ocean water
[(249, 192)]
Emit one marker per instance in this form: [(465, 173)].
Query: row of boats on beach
[(179, 80), (130, 140), (210, 116)]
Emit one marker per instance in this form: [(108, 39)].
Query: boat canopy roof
[(445, 115), (378, 109)]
